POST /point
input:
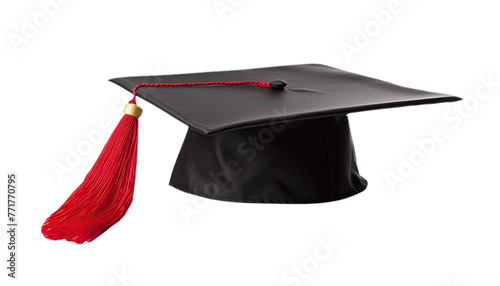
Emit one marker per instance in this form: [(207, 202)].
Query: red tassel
[(106, 193)]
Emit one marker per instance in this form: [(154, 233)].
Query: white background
[(438, 226)]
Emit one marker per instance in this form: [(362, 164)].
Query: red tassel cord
[(106, 193), (276, 84)]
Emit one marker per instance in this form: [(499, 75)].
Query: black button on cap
[(277, 84)]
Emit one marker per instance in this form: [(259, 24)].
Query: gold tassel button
[(133, 110)]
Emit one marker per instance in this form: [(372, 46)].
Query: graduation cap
[(266, 135)]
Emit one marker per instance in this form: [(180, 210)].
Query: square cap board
[(312, 91)]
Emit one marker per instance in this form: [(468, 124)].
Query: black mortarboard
[(289, 145), (266, 135)]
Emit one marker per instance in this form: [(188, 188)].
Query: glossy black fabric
[(312, 91), (308, 161)]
